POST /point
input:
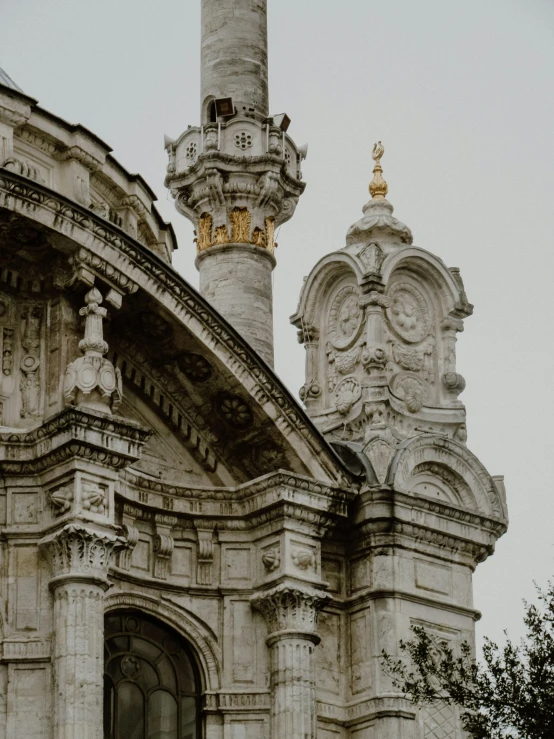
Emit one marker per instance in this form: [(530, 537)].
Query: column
[(291, 613), (79, 556)]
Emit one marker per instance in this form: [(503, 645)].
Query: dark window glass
[(151, 688)]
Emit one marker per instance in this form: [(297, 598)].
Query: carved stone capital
[(290, 608), (374, 298), (79, 552)]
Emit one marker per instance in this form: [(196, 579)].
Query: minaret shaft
[(238, 175), (234, 55)]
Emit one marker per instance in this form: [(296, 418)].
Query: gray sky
[(459, 92)]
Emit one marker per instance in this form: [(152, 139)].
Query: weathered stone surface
[(183, 501)]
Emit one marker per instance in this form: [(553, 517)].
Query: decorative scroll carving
[(30, 362), (205, 557), (411, 390), (78, 551), (347, 392), (125, 555), (86, 259), (92, 381), (163, 549)]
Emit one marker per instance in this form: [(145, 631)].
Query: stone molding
[(63, 215), (290, 611), (96, 437), (78, 552), (317, 506)]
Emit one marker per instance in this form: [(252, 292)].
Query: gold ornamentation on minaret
[(240, 225), (204, 236), (378, 188)]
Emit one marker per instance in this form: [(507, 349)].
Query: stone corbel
[(452, 381), (163, 549), (131, 534), (205, 557)]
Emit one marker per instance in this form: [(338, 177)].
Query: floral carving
[(240, 225), (76, 550), (408, 312), (234, 410), (287, 607), (154, 326), (194, 367), (345, 317), (204, 232)]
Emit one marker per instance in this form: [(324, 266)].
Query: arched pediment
[(326, 272), (440, 468), (242, 389), (429, 269)]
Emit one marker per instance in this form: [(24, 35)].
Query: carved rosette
[(92, 381), (288, 608), (79, 552)]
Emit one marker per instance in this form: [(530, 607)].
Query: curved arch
[(207, 653), (76, 226), (427, 266), (452, 464), (330, 266)]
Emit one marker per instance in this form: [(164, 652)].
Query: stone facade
[(185, 552)]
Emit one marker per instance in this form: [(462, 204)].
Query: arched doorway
[(151, 682)]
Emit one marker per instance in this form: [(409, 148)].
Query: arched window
[(151, 684)]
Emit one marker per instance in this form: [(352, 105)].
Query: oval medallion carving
[(345, 317), (409, 388), (408, 312)]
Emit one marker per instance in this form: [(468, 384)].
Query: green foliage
[(510, 695)]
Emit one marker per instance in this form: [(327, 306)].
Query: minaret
[(237, 176)]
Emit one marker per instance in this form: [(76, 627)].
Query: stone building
[(186, 553)]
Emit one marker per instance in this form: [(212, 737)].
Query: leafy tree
[(510, 695)]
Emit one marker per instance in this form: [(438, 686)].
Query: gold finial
[(378, 187)]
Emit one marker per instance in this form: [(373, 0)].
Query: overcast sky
[(460, 93)]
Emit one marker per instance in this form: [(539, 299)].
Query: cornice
[(280, 495), (72, 433)]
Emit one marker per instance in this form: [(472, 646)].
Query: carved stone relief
[(30, 362), (345, 317), (408, 313)]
